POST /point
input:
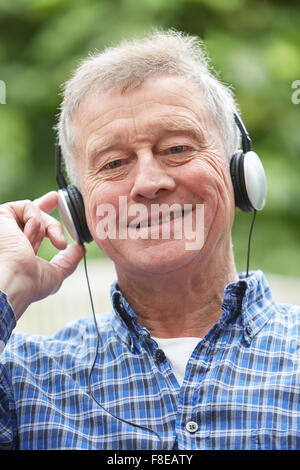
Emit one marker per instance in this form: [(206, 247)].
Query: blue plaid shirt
[(240, 391)]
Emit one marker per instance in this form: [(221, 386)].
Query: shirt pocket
[(274, 439)]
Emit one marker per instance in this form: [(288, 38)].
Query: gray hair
[(129, 64)]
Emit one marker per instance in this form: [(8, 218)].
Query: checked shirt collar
[(249, 298)]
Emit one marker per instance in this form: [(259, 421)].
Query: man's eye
[(177, 149), (113, 164)]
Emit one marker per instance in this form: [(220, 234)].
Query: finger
[(30, 220), (37, 224), (36, 246), (48, 202), (54, 231), (33, 227), (53, 273), (66, 261), (50, 227)]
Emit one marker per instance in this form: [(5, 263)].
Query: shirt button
[(145, 335), (191, 426), (249, 330), (159, 355)]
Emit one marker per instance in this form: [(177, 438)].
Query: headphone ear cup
[(249, 181), (255, 180), (238, 182), (79, 214), (71, 208)]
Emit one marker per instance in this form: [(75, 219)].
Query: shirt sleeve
[(7, 407), (7, 320)]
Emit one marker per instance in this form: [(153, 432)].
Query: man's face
[(155, 144)]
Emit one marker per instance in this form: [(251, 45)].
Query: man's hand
[(25, 277)]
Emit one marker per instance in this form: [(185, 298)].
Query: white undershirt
[(178, 351)]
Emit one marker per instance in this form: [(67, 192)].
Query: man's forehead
[(163, 104), (159, 91)]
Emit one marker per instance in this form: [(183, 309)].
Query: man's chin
[(163, 256)]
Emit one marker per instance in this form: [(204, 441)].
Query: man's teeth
[(158, 220), (162, 219)]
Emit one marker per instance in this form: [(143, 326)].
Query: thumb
[(66, 261)]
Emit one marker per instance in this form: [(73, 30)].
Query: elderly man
[(193, 355)]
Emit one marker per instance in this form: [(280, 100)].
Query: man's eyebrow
[(182, 125), (101, 146), (178, 125), (160, 127)]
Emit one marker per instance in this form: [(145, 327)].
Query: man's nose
[(151, 179)]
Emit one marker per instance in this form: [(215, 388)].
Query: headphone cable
[(90, 391), (249, 242)]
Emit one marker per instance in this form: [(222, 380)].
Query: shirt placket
[(191, 430)]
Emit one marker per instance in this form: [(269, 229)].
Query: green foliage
[(253, 44)]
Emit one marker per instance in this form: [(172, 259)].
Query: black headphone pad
[(76, 206), (238, 181)]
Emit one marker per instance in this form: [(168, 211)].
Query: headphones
[(71, 206), (247, 175)]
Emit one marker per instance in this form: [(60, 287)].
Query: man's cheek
[(102, 219), (94, 198)]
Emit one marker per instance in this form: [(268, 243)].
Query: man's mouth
[(159, 219)]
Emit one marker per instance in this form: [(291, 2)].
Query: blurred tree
[(253, 44)]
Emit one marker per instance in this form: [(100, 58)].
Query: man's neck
[(184, 303)]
